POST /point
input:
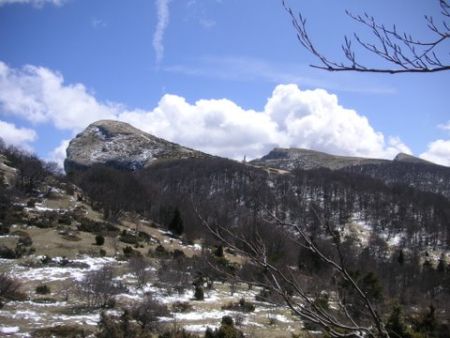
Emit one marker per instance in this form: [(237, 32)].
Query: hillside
[(191, 240)]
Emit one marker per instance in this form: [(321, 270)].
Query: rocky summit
[(120, 145)]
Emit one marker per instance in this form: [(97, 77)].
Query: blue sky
[(224, 76)]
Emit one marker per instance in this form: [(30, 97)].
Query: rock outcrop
[(120, 145)]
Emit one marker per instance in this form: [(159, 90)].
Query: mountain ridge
[(122, 146)]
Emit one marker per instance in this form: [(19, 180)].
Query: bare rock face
[(120, 145), (290, 158)]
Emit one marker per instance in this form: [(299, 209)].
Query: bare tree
[(9, 289), (290, 285), (404, 52), (98, 288)]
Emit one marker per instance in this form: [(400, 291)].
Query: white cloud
[(40, 95), (163, 14), (19, 137), (438, 152), (36, 3), (59, 153), (445, 126), (291, 118)]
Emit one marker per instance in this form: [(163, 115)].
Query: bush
[(25, 241), (7, 253), (181, 307), (226, 330), (98, 288), (99, 240), (62, 331), (219, 251), (10, 290), (129, 252), (148, 312), (199, 294), (177, 253), (242, 306), (159, 252), (177, 333), (42, 289), (46, 260)]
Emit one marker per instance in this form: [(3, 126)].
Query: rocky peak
[(402, 157), (120, 145)]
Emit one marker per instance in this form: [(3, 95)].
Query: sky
[(227, 77)]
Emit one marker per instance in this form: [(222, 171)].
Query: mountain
[(404, 169), (122, 146), (291, 158)]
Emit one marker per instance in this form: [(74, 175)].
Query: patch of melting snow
[(37, 304), (27, 315), (199, 327), (191, 316), (60, 273), (89, 319), (282, 318), (9, 329)]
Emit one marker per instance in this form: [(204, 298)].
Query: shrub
[(129, 252), (139, 267), (177, 333), (7, 253), (242, 306), (98, 288), (199, 294), (226, 330), (10, 290), (219, 251), (42, 289), (181, 307), (177, 253), (25, 241), (46, 260), (148, 312), (159, 252), (99, 240), (62, 331)]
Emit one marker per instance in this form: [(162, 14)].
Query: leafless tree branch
[(404, 52), (302, 304)]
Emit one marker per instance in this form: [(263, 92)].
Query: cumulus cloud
[(291, 118), (19, 137), (36, 3), (40, 95), (163, 15), (438, 152), (59, 153)]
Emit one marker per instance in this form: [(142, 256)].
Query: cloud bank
[(19, 137), (36, 3), (291, 117), (163, 15)]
